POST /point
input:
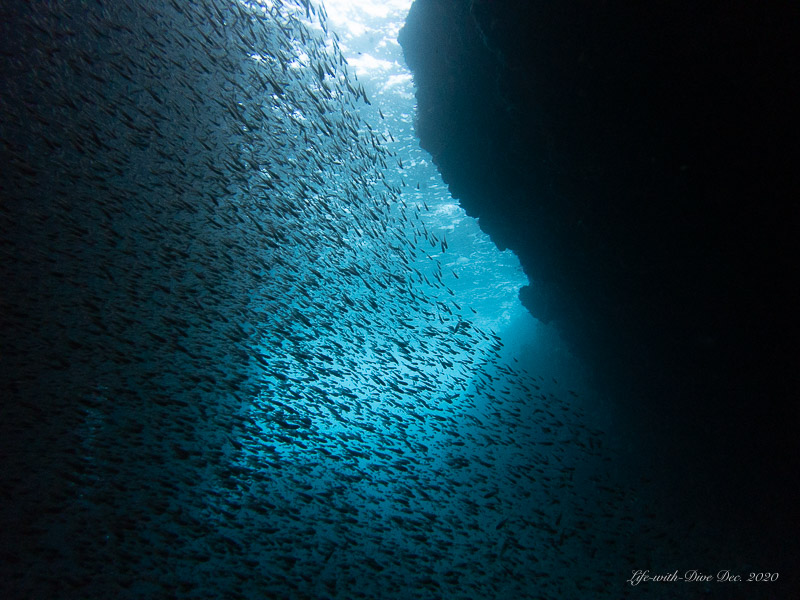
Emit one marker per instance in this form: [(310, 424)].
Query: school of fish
[(235, 367)]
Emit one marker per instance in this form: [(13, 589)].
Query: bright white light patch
[(365, 63), (402, 80), (342, 12)]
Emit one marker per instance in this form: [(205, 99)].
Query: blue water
[(266, 354)]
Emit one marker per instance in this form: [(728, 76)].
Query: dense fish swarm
[(232, 365)]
